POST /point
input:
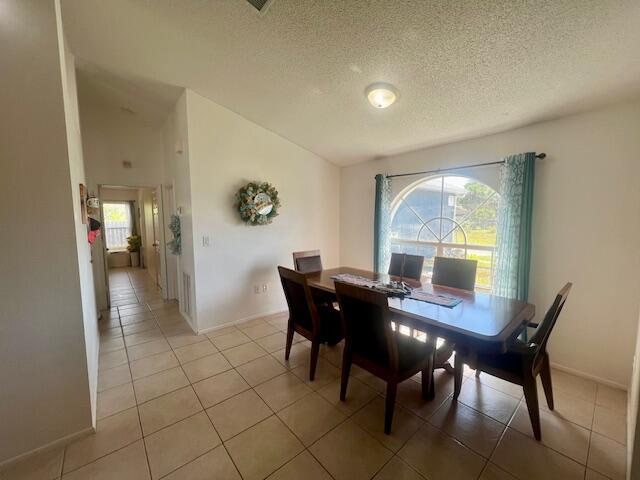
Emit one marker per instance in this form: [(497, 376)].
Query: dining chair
[(457, 273), (521, 363), (406, 266), (372, 344), (317, 323), (307, 262)]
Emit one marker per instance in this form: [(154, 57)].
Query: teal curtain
[(382, 224), (513, 243)]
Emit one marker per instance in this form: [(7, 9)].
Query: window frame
[(127, 204)]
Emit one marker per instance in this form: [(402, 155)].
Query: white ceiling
[(463, 67)]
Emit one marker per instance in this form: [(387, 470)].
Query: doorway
[(132, 246)]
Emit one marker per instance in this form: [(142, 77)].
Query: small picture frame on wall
[(83, 203)]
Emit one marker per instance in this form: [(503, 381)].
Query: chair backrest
[(406, 266), (544, 329), (302, 309), (307, 261), (367, 325), (454, 272)]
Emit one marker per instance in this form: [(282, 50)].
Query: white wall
[(225, 152), (47, 388), (586, 226)]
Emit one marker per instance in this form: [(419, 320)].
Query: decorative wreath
[(257, 203), (175, 245)]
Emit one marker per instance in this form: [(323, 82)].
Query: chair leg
[(478, 372), (290, 333), (457, 375), (531, 396), (346, 368), (392, 389), (315, 350), (428, 389), (545, 376)]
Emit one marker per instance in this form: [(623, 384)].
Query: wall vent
[(260, 5), (186, 294)]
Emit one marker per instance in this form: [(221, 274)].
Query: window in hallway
[(117, 224)]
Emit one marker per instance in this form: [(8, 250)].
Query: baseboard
[(267, 315), (588, 376), (61, 442)]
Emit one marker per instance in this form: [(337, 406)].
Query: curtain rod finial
[(541, 155)]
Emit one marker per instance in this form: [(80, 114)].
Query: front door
[(156, 236)]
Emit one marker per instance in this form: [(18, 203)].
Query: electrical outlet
[(205, 241), (265, 287), (256, 289)]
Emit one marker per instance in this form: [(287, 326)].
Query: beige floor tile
[(179, 444), (436, 455), (527, 459), (493, 403), (565, 437), (222, 331), (280, 323), (593, 475), (112, 359), (348, 452), (109, 325), (302, 466), (410, 396), (358, 395), (396, 469), (371, 419), (333, 354), (252, 323), (114, 377), (612, 398), (282, 391), (498, 384), (493, 472), (140, 327), (152, 386), (311, 417), (610, 423), (258, 331), (274, 342), (213, 465), (110, 344), (112, 433), (153, 364), (569, 408), (607, 457), (219, 387), (574, 386), (476, 431), (230, 340), (41, 466), (206, 367), (325, 374), (115, 400), (263, 448), (168, 409), (260, 370), (182, 339), (194, 351), (300, 355), (238, 413), (136, 318), (143, 350), (143, 337), (129, 463), (110, 333), (244, 353)]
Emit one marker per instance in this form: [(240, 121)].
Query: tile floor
[(228, 406)]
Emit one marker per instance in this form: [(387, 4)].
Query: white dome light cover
[(381, 95)]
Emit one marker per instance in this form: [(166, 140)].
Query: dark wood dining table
[(480, 322)]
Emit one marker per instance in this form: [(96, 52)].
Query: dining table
[(480, 322)]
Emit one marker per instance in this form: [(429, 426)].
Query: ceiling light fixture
[(381, 95)]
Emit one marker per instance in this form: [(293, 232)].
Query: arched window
[(449, 216)]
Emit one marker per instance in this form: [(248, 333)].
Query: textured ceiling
[(463, 67)]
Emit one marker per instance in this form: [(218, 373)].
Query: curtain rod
[(439, 170)]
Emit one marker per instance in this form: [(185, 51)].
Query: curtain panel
[(382, 224), (515, 214)]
